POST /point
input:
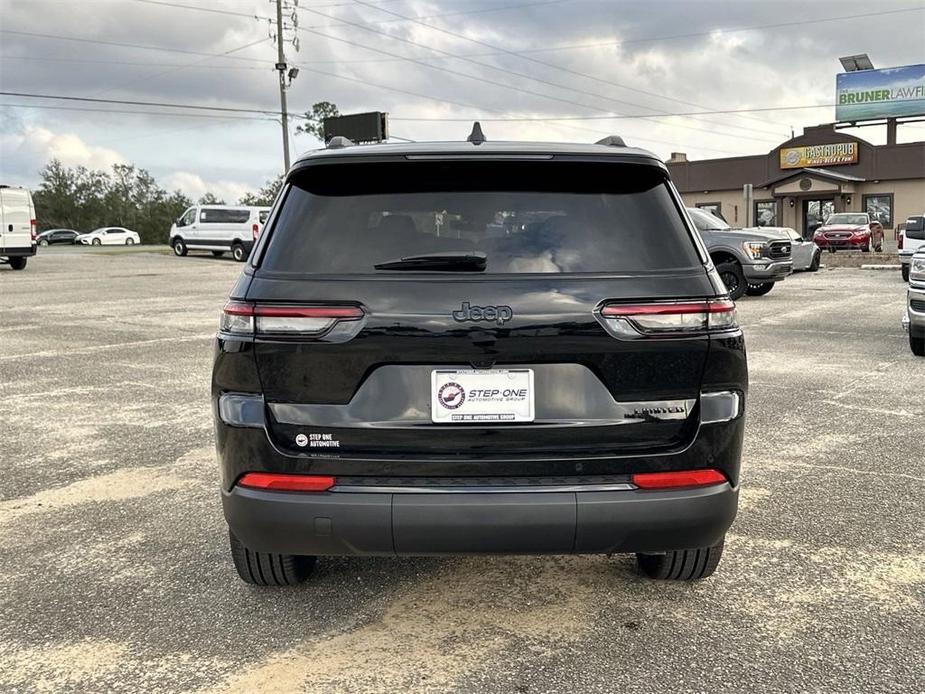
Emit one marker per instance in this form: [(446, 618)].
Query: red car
[(845, 230)]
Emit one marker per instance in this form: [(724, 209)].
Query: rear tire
[(759, 289), (269, 568), (917, 342), (681, 565), (218, 254), (733, 277), (238, 253), (129, 242), (905, 273), (179, 248), (18, 263)]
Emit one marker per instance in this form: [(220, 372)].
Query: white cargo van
[(17, 231), (218, 228)]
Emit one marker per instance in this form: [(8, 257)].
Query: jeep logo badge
[(499, 314)]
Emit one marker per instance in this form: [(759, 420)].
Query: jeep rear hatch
[(519, 267)]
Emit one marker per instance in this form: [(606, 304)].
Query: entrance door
[(815, 212)]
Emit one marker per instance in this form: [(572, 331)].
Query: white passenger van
[(218, 228), (17, 226)]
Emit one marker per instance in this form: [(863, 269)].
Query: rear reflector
[(675, 479), (285, 482), (242, 318), (669, 318)]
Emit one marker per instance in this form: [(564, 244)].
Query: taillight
[(899, 242), (255, 228), (675, 318), (677, 478), (33, 226), (311, 321), (284, 482)]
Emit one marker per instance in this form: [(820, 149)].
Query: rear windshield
[(915, 228), (526, 217)]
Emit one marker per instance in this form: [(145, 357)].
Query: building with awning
[(805, 179)]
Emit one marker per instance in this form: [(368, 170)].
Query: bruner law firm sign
[(887, 93), (834, 154)]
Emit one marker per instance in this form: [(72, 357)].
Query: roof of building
[(810, 171)]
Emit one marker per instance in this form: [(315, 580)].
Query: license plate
[(481, 395)]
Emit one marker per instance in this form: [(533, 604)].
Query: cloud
[(24, 153), (195, 186)]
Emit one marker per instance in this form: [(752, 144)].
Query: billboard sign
[(358, 127), (835, 154), (887, 93)]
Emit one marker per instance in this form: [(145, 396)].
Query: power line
[(192, 66), (177, 68), (131, 45), (195, 107), (483, 80), (757, 27), (667, 114), (49, 107), (458, 13), (203, 9), (548, 64)]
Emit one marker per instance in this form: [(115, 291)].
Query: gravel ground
[(116, 576)]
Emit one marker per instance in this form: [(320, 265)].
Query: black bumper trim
[(599, 522)]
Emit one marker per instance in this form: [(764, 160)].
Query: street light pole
[(281, 68)]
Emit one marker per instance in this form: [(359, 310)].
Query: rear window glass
[(526, 217), (915, 228)]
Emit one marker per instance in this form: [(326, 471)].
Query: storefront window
[(714, 208), (766, 213), (880, 209)]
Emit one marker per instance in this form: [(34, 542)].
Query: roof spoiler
[(612, 141)]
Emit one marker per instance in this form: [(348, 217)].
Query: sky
[(434, 66)]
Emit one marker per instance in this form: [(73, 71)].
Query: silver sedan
[(805, 253)]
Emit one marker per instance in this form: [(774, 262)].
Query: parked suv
[(476, 347), (911, 239), (750, 261)]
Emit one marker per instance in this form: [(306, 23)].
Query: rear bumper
[(525, 522), (770, 271), (17, 252)]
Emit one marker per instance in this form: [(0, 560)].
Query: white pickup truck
[(910, 240)]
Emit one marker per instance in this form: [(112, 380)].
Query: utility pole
[(286, 74), (281, 68)]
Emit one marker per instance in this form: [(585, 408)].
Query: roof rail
[(612, 141), (476, 137), (339, 142)]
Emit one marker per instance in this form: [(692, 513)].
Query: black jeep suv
[(478, 347)]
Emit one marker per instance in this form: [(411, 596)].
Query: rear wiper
[(445, 260)]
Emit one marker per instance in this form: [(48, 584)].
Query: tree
[(265, 196), (211, 199), (314, 119), (84, 200)]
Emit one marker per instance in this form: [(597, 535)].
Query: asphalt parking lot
[(116, 575)]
